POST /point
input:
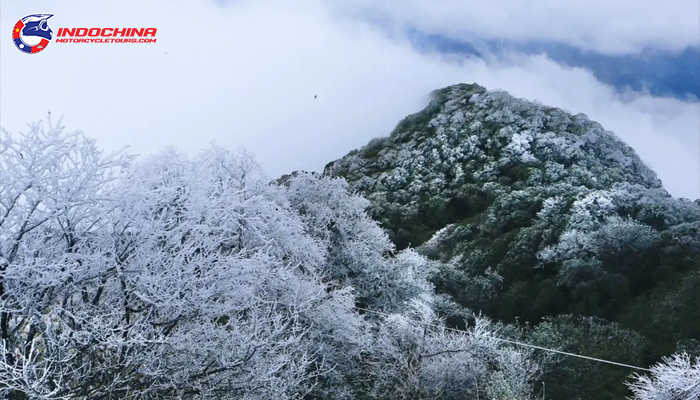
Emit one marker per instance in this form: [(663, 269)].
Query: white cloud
[(245, 74), (608, 26)]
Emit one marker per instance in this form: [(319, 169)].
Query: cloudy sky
[(243, 73)]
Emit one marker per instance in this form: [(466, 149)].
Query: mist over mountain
[(661, 73)]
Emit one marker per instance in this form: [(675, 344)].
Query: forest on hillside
[(201, 278), (544, 220)]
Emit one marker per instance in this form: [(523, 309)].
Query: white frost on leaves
[(178, 277), (589, 211), (519, 147), (551, 207), (675, 378), (443, 361), (438, 236), (595, 227), (439, 120)]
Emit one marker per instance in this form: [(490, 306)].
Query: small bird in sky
[(315, 96)]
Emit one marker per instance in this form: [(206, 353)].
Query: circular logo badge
[(32, 34)]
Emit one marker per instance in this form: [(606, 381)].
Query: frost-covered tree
[(675, 378), (415, 357), (196, 278), (360, 253), (183, 278), (359, 256)]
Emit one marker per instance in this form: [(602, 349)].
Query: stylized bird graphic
[(37, 25)]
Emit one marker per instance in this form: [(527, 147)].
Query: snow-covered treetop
[(468, 134), (470, 146)]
